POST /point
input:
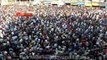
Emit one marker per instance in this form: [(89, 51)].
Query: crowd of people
[(54, 32)]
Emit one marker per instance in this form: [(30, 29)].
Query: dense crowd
[(74, 32)]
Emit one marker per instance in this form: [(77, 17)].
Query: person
[(74, 32)]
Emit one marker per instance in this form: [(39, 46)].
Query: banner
[(88, 0), (67, 1), (54, 2), (96, 2), (36, 2), (74, 2), (4, 2), (103, 4), (11, 0), (102, 0), (81, 0), (88, 3), (7, 2)]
